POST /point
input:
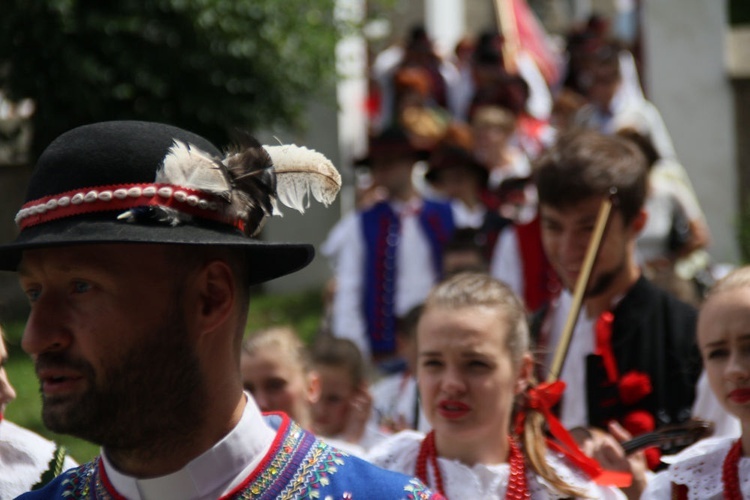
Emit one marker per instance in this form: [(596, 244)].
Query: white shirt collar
[(211, 474), (406, 208)]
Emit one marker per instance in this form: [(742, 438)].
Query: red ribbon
[(126, 202), (543, 398), (603, 348)]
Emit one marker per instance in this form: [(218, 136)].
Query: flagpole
[(506, 20)]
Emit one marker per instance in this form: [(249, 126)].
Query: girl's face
[(276, 383), (467, 378), (724, 342), (330, 410)]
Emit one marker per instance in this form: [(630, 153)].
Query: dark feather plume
[(253, 181)]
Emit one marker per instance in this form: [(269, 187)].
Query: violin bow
[(677, 436), (561, 351)]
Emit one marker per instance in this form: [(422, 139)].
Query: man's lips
[(451, 409), (740, 396), (57, 382)]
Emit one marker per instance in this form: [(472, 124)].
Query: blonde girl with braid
[(473, 369)]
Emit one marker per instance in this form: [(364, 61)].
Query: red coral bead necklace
[(517, 486), (730, 476)]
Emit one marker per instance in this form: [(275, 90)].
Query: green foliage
[(207, 65), (303, 311)]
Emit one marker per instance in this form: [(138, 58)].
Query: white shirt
[(371, 437), (24, 457), (507, 264), (627, 110), (394, 400), (212, 474), (488, 482), (414, 278), (699, 467), (465, 216), (573, 406)]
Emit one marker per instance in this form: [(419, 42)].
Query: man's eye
[(717, 353), (431, 363), (81, 286), (32, 294), (275, 385)]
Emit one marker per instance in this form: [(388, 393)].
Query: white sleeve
[(674, 175), (506, 264), (707, 407), (659, 135), (659, 487), (539, 104), (348, 319)]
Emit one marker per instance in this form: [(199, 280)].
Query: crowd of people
[(454, 282)]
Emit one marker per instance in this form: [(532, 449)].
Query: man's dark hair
[(584, 163)]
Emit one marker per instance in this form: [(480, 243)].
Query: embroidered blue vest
[(297, 466), (382, 227)]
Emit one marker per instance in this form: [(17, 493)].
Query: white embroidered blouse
[(399, 453), (699, 467)]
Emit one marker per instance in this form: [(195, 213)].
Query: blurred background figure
[(386, 257), (416, 111), (26, 458), (342, 406), (675, 227), (455, 175), (615, 102), (718, 467), (275, 370), (396, 396), (494, 130), (465, 251)]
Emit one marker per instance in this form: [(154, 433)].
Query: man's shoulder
[(362, 478), (73, 483), (645, 295), (301, 464)]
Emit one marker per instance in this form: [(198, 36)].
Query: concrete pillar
[(686, 79)]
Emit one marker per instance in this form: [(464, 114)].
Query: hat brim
[(267, 261)]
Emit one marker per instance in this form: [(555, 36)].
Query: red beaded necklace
[(517, 487), (730, 472)]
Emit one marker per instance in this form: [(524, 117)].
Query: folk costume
[(263, 457), (636, 363), (400, 453), (712, 469), (518, 260), (385, 258), (628, 110), (129, 182), (395, 402), (24, 457)]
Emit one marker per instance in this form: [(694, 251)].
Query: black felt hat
[(98, 184), (392, 143), (449, 156)]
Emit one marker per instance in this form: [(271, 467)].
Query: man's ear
[(313, 387), (524, 373), (215, 292), (639, 222)]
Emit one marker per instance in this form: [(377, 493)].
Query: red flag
[(523, 31)]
